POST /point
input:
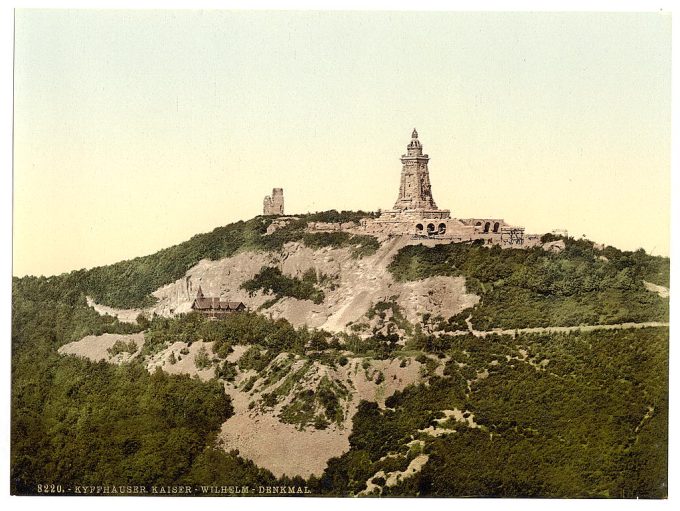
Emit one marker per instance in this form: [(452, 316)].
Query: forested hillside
[(579, 414), (591, 423), (532, 288), (79, 422)]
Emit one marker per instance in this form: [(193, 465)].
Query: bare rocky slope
[(272, 434), (353, 286)]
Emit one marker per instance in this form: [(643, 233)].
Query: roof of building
[(213, 303)]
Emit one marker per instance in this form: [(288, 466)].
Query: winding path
[(556, 329)]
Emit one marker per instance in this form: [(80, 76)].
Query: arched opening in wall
[(442, 228), (496, 226), (419, 228), (478, 224), (430, 229), (487, 226)]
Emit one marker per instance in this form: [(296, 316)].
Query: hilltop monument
[(415, 190), (416, 214)]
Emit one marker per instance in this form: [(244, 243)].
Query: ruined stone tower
[(273, 204), (415, 191)]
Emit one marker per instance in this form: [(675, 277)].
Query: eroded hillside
[(283, 406), (351, 286)]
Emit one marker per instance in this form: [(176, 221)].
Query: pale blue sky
[(135, 130)]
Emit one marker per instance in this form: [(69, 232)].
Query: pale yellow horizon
[(135, 130)]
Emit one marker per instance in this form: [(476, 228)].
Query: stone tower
[(273, 204), (415, 191)]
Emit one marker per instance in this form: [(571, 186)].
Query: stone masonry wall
[(273, 204)]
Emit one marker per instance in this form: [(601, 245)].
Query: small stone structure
[(273, 204), (213, 307), (415, 212)]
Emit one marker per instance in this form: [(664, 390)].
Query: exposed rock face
[(352, 286), (258, 431), (96, 347), (281, 451), (123, 315), (221, 279), (554, 246), (279, 223), (663, 292)]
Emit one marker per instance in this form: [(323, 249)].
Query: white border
[(6, 76)]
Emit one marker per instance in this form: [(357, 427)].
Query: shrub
[(379, 481), (222, 349), (121, 346), (272, 280), (201, 359), (422, 358), (255, 358), (226, 371)]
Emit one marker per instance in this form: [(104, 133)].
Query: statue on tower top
[(414, 147)]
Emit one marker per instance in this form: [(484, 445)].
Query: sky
[(135, 130)]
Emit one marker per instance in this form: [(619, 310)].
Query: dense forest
[(532, 287), (581, 414), (580, 428)]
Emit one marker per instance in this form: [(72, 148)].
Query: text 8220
[(50, 488)]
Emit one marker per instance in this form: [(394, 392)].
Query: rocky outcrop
[(554, 246), (351, 286)]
